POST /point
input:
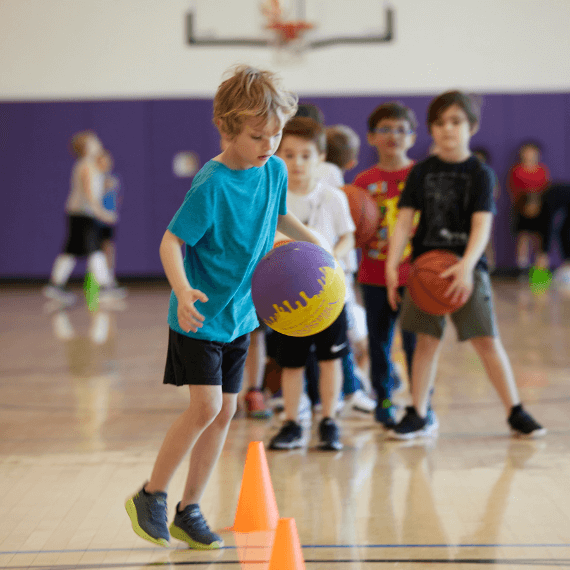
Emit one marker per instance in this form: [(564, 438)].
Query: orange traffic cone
[(257, 507), (286, 553)]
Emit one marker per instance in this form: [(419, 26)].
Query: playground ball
[(298, 289)]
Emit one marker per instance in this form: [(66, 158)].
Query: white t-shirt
[(325, 210), (330, 174), (77, 202)]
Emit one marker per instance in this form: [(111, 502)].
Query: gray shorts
[(475, 319)]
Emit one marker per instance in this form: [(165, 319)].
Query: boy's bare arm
[(292, 227), (396, 246), (399, 239), (189, 318), (481, 223), (344, 245)]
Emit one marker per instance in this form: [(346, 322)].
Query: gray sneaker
[(60, 294), (190, 526), (147, 512)]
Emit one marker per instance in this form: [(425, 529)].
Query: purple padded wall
[(143, 137)]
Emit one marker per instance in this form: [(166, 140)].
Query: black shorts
[(106, 232), (205, 362), (330, 344), (83, 235)]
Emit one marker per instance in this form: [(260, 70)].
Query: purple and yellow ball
[(298, 289)]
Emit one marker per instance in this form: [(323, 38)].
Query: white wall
[(61, 49)]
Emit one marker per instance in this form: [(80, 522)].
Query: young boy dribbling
[(226, 223), (454, 193)]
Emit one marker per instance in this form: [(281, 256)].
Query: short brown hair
[(250, 93), (468, 103), (392, 110), (343, 145), (307, 129), (79, 142)]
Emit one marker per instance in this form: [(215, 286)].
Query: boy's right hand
[(189, 318), (392, 278)]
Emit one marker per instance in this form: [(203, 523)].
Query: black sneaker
[(190, 526), (290, 436), (412, 426), (147, 512), (523, 424), (330, 435)]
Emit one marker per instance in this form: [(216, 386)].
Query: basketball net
[(288, 35)]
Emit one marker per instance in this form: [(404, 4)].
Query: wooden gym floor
[(83, 412)]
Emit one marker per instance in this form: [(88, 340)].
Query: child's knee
[(205, 407)]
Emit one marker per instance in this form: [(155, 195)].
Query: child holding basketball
[(226, 224), (391, 130), (453, 191), (85, 214), (324, 209)]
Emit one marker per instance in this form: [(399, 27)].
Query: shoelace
[(195, 519)]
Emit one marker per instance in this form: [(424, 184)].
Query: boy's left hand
[(462, 282)]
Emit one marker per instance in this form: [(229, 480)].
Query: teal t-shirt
[(228, 221)]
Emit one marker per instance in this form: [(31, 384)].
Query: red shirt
[(523, 181), (386, 187)]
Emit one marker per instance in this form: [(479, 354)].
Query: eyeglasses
[(400, 131)]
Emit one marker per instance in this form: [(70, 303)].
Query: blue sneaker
[(386, 414), (190, 526), (147, 512)]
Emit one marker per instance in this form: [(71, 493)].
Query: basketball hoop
[(289, 40)]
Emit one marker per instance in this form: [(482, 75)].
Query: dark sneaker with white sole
[(190, 526), (329, 435), (148, 515), (290, 436), (523, 424), (412, 425)]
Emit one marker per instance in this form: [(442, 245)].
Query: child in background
[(391, 130), (453, 192), (343, 147), (527, 181), (226, 224), (85, 213), (324, 209), (110, 203)]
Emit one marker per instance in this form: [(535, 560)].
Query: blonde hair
[(79, 142), (250, 93)]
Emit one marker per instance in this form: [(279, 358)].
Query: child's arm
[(344, 244), (292, 227), (462, 272), (189, 318), (397, 245), (101, 213)]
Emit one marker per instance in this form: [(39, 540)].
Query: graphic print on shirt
[(447, 196)]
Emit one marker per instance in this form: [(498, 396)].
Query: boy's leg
[(330, 385), (147, 508), (205, 405), (498, 368), (292, 387), (254, 369), (381, 320), (424, 367), (523, 250)]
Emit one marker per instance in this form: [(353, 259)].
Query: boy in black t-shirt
[(454, 193)]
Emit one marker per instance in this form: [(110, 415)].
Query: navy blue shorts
[(191, 361), (330, 344)]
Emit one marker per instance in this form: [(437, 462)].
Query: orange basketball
[(364, 211), (427, 288)]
